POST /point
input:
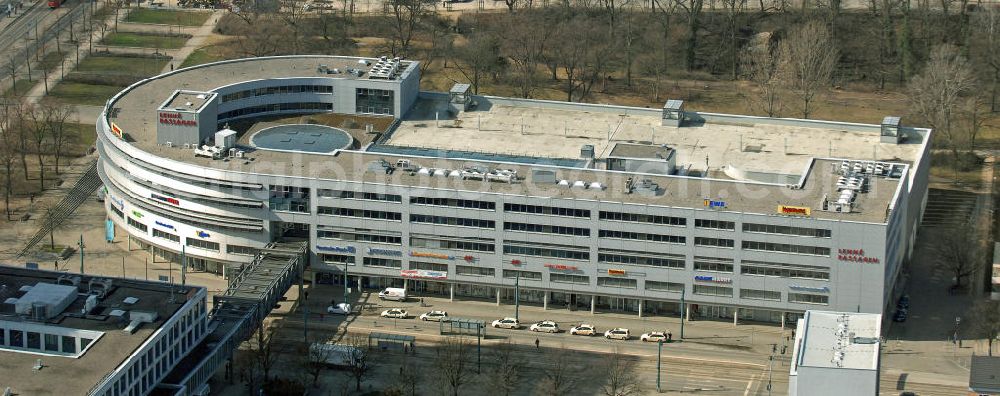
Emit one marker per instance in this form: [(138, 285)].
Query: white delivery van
[(393, 293)]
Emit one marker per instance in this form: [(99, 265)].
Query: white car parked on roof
[(617, 333), (546, 326), (395, 313)]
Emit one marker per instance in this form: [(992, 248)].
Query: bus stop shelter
[(391, 341), (462, 326)]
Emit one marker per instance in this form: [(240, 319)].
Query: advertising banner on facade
[(423, 274)]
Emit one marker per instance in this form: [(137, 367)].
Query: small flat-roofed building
[(836, 353), (97, 336), (984, 375), (642, 158)]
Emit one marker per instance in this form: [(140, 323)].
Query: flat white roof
[(838, 340)]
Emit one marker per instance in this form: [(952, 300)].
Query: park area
[(167, 17), (146, 40), (100, 77)]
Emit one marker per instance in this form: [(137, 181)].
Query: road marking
[(750, 384)]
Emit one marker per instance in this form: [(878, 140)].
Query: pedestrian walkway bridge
[(236, 314)]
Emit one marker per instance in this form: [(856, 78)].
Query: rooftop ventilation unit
[(646, 187), (587, 151), (68, 280), (502, 176), (99, 287)]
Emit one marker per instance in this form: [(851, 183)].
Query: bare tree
[(693, 9), (760, 62), (558, 379), (451, 364), (524, 41), (39, 135), (406, 382), (958, 252), (507, 367), (477, 58), (987, 48), (315, 363), (936, 94), (621, 376), (257, 360), (985, 316), (8, 155), (362, 363), (56, 118), (807, 60), (405, 18)]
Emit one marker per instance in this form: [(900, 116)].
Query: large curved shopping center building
[(592, 206)]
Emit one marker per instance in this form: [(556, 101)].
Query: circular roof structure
[(302, 137)]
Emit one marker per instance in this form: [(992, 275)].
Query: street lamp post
[(659, 350), (345, 283), (81, 253)]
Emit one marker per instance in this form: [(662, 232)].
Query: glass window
[(16, 338), (714, 242), (567, 278), (68, 344), (419, 265), (34, 340), (608, 281), (474, 271), (52, 342), (805, 298), (529, 275), (709, 290), (664, 286), (752, 294), (642, 218), (84, 342), (715, 224)]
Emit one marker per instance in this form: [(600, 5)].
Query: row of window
[(754, 294), (454, 221), (545, 210), (368, 196), (280, 90), (545, 229), (42, 342), (454, 202), (715, 224), (786, 230), (477, 244), (639, 236), (642, 218), (546, 251), (368, 214), (275, 107), (359, 235), (666, 260), (135, 224)]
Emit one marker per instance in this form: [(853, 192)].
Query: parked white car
[(437, 316), (617, 333), (545, 326), (507, 323), (583, 329), (653, 336), (339, 309), (395, 313)]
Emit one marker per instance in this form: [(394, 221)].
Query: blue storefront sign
[(338, 249), (202, 234), (384, 252), (706, 278), (170, 226)]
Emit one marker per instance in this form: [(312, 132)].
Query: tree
[(406, 382), (621, 379), (451, 364), (259, 357), (987, 48), (56, 120), (759, 63), (405, 18), (958, 252), (477, 58), (693, 9), (362, 363), (807, 60), (315, 363), (507, 367), (936, 94), (8, 155), (39, 134), (985, 316), (558, 379)]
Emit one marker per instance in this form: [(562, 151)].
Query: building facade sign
[(384, 252), (713, 279), (165, 225), (616, 272), (118, 202), (516, 262), (423, 274), (712, 203), (561, 267), (855, 256), (175, 119), (117, 131), (169, 200), (338, 249), (137, 214), (202, 234), (432, 255), (794, 210)]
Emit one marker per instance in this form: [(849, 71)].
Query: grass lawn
[(20, 88), (67, 92), (167, 17), (207, 54), (122, 65), (128, 39)]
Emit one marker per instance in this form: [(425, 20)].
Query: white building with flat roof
[(836, 353), (588, 206)]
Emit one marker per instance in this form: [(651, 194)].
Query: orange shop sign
[(616, 272), (432, 255), (794, 210)]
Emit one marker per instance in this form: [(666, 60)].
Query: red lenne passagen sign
[(175, 119), (855, 256)]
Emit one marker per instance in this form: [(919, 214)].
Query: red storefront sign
[(855, 256), (561, 267), (175, 119)]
